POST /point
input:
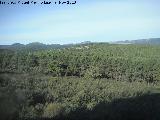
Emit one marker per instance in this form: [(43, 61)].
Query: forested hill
[(87, 82), (36, 46), (151, 41), (127, 62)]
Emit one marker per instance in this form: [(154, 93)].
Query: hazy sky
[(88, 20)]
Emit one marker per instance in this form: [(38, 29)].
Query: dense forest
[(93, 81)]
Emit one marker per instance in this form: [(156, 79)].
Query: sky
[(87, 20)]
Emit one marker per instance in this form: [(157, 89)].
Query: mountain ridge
[(150, 41), (35, 46)]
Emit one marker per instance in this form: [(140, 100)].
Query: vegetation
[(151, 41), (116, 62), (82, 82)]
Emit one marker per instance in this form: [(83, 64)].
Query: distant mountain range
[(151, 41), (38, 46)]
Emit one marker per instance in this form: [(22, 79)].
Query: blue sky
[(92, 20)]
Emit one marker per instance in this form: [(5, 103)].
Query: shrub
[(53, 110)]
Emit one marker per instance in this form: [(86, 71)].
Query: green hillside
[(93, 81), (117, 62)]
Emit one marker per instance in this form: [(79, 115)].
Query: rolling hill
[(151, 41)]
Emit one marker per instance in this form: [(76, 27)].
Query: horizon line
[(80, 42)]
